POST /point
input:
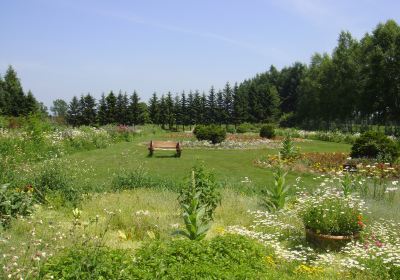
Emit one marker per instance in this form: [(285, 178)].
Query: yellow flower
[(220, 230), (269, 260), (305, 269)]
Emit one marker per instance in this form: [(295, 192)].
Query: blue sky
[(62, 48)]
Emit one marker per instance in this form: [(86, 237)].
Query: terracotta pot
[(329, 242)]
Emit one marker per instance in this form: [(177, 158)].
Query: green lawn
[(230, 166)]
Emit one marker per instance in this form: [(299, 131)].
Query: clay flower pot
[(329, 242)]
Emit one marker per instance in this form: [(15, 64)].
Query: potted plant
[(332, 219)]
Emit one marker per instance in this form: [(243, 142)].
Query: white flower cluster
[(381, 242), (230, 144)]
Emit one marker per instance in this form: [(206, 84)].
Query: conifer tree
[(211, 107), (184, 111), (240, 105), (196, 108), (154, 109), (89, 113), (177, 111), (163, 112), (121, 109), (221, 115), (111, 101), (102, 111), (228, 104), (134, 110), (191, 110), (169, 107), (16, 97), (31, 105), (73, 112)]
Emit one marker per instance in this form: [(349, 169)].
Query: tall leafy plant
[(276, 196), (198, 201), (288, 150)]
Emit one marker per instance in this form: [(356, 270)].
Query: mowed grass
[(229, 166)]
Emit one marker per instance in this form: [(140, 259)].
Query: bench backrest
[(164, 144)]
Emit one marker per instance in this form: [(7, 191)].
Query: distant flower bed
[(332, 163), (232, 144)]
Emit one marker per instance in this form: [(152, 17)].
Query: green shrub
[(376, 145), (14, 202), (230, 129), (245, 127), (89, 263), (267, 131), (213, 133), (52, 181), (224, 257)]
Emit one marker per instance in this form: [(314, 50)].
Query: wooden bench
[(165, 145)]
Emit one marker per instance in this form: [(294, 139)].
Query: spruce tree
[(177, 111), (240, 105), (211, 107), (154, 109), (73, 112), (134, 110), (228, 104), (196, 108), (169, 106), (16, 97), (121, 109), (203, 106), (31, 105), (163, 112), (89, 113), (102, 111), (111, 101), (221, 115), (143, 113), (191, 110), (184, 111)]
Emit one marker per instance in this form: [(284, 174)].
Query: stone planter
[(329, 242)]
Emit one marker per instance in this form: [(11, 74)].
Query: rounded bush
[(245, 127), (372, 144), (213, 133), (267, 131)]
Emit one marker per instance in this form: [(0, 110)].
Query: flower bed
[(378, 251)]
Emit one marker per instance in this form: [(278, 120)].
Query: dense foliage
[(204, 185), (14, 202), (375, 145), (213, 133), (13, 100), (224, 257), (267, 131)]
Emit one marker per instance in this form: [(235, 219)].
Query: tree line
[(358, 83)]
